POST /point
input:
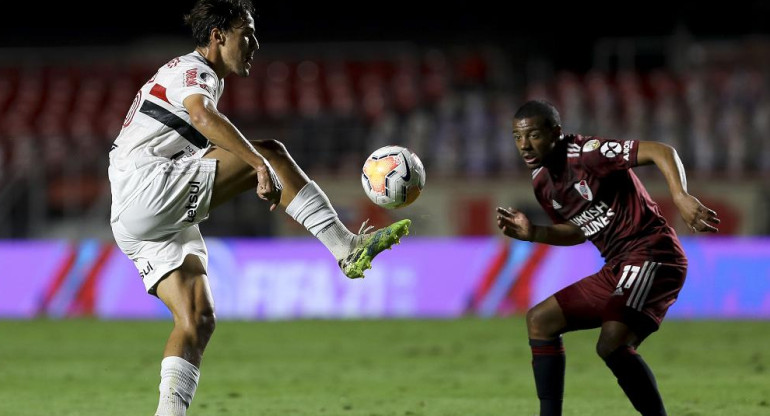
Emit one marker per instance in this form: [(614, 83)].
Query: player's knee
[(606, 348), (532, 319), (538, 324), (197, 326)]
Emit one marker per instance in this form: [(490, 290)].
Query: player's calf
[(636, 380), (548, 366)]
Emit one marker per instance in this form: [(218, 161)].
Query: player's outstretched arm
[(516, 225), (221, 132), (696, 215)]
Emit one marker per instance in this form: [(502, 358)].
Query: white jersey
[(157, 128)]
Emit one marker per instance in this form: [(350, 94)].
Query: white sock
[(314, 211), (178, 381)]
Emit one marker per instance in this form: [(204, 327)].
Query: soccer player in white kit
[(176, 158)]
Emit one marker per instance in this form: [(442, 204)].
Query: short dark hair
[(540, 108), (208, 14)]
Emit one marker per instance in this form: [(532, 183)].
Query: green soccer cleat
[(366, 246)]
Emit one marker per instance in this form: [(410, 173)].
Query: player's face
[(240, 46), (534, 140)]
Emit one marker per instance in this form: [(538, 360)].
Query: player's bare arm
[(696, 215), (222, 133), (515, 224)]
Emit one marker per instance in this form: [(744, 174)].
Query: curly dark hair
[(540, 108), (208, 14)]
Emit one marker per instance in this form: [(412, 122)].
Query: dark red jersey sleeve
[(603, 156)]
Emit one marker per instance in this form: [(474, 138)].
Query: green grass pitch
[(370, 368)]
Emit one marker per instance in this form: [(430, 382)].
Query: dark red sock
[(636, 380), (548, 362)]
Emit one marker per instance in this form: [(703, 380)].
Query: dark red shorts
[(637, 292)]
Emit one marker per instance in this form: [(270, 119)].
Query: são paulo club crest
[(584, 190)]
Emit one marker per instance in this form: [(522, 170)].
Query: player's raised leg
[(545, 324), (186, 293), (617, 347), (304, 201)]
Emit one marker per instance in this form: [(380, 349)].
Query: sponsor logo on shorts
[(145, 270), (192, 201)]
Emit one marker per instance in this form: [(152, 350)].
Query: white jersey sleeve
[(192, 78)]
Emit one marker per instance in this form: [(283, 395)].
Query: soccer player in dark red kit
[(586, 186)]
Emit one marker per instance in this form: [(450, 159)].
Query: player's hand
[(698, 217), (268, 185), (514, 224)]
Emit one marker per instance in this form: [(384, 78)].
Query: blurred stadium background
[(334, 82)]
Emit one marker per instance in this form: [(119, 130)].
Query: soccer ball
[(393, 177)]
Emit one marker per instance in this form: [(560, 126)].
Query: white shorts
[(159, 227)]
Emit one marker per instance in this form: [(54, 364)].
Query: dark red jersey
[(588, 182)]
